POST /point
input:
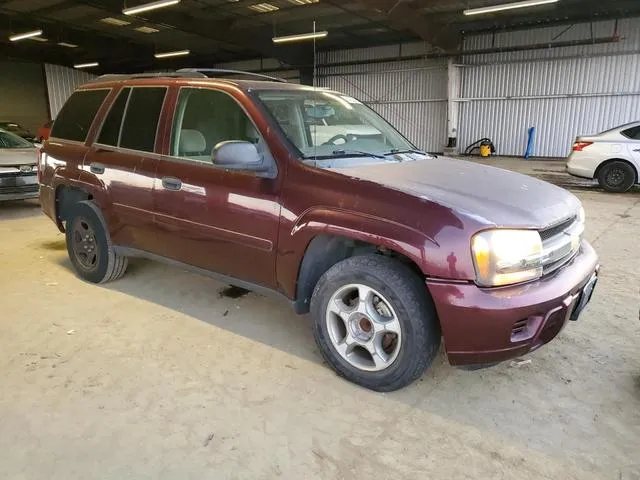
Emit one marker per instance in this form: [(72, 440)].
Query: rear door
[(123, 160), (633, 144), (224, 221)]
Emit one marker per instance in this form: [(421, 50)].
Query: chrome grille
[(560, 243), (550, 232)]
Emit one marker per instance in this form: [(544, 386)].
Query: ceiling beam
[(401, 14)]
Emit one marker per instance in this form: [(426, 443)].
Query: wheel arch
[(331, 236), (65, 197), (623, 160)]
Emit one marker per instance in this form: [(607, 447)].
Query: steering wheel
[(332, 140)]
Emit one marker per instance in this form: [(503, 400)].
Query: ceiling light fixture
[(507, 6), (263, 7), (22, 36), (300, 38), (177, 53), (67, 44), (86, 65), (145, 7), (303, 2), (115, 21), (146, 29)]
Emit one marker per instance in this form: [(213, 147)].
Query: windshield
[(11, 140), (325, 124)]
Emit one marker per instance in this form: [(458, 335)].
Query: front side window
[(76, 117), (11, 140), (203, 119), (325, 124)]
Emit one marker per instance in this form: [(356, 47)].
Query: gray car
[(18, 169)]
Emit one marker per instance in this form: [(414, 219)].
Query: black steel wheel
[(617, 176), (89, 247)]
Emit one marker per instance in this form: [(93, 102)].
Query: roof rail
[(112, 77), (210, 72)]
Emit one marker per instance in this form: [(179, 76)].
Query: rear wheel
[(616, 177), (89, 246), (375, 322)]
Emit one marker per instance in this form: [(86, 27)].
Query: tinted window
[(205, 118), (111, 126), (141, 118), (633, 133), (76, 117)]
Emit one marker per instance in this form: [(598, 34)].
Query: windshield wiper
[(419, 152), (345, 153)]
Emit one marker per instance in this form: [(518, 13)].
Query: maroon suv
[(308, 193)]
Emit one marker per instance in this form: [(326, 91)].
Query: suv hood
[(18, 156), (488, 194)]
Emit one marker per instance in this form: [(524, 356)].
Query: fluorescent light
[(145, 7), (86, 65), (67, 44), (115, 21), (22, 36), (507, 6), (263, 7), (300, 38), (303, 2), (177, 53), (146, 29)]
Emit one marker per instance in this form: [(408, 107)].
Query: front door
[(123, 160), (223, 221)]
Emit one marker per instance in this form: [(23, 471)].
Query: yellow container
[(485, 150)]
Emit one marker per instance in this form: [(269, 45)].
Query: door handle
[(171, 183), (96, 168)]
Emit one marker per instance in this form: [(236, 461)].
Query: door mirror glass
[(238, 155)]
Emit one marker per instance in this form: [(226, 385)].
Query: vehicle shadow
[(19, 209), (268, 320)]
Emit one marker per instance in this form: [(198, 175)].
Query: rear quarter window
[(75, 118), (633, 133)]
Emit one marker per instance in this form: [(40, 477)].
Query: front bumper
[(18, 186), (489, 325)]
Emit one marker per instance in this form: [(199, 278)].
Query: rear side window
[(110, 133), (76, 117), (633, 133), (141, 118)]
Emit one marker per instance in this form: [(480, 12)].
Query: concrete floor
[(158, 376)]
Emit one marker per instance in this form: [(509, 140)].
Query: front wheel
[(617, 177), (374, 322)]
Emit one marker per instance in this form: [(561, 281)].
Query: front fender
[(326, 221)]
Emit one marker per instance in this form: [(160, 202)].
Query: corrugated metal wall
[(61, 82), (411, 94), (563, 92)]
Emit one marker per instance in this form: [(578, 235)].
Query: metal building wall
[(411, 94), (563, 92), (61, 82)]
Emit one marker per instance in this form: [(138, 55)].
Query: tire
[(617, 177), (402, 296), (89, 246)]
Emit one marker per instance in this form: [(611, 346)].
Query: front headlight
[(504, 257)]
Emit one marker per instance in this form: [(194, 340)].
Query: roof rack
[(112, 77), (211, 72)]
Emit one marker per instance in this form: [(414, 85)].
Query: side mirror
[(237, 155)]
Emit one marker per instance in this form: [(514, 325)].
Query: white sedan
[(18, 170), (612, 157)]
